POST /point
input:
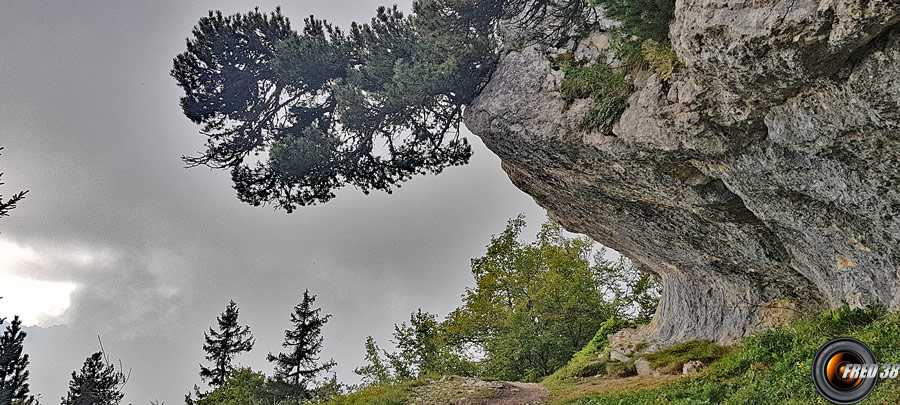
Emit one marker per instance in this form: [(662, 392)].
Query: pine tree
[(13, 375), (98, 383), (301, 363), (221, 346)]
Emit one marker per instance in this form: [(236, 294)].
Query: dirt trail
[(522, 394)]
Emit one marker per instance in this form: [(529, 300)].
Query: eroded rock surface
[(764, 179)]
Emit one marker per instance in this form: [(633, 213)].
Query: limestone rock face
[(762, 180)]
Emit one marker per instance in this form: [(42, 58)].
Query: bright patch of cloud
[(12, 253), (35, 302)]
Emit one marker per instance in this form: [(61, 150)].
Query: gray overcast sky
[(124, 242)]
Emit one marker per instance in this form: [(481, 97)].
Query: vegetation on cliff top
[(640, 43)]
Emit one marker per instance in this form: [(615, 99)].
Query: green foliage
[(535, 304), (375, 372), (243, 386), (422, 350), (418, 344), (247, 387), (13, 363), (600, 340), (98, 383), (9, 204), (221, 346), (644, 19), (774, 366), (373, 106), (296, 368), (642, 39), (598, 81), (604, 114), (327, 390), (591, 360)]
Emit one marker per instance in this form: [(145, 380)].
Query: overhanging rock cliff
[(762, 180)]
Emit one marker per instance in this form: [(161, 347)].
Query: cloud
[(120, 291), (150, 253)]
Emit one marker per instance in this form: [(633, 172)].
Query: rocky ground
[(472, 391)]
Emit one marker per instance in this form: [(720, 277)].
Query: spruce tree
[(13, 375), (300, 363), (221, 346), (98, 383)]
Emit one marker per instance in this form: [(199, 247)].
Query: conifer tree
[(300, 363), (13, 363), (221, 346), (10, 203), (98, 383)]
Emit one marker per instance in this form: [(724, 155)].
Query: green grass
[(640, 43), (774, 366), (661, 58), (608, 87), (396, 394), (672, 359), (596, 81)]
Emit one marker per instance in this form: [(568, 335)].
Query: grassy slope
[(770, 368), (396, 394), (773, 367)]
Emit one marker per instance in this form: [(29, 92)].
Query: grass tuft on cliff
[(608, 88), (641, 43), (774, 367)]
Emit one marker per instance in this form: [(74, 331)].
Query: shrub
[(592, 359)]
